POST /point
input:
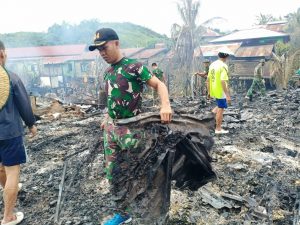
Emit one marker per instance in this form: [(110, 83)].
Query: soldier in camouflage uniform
[(160, 75), (203, 77), (258, 84), (124, 81)]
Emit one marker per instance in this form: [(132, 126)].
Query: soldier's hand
[(166, 114), (102, 125), (104, 121), (33, 130)]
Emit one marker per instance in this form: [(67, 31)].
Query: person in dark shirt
[(16, 108), (124, 82)]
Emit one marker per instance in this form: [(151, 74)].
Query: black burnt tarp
[(176, 152)]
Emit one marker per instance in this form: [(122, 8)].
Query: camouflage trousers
[(122, 147), (257, 86), (202, 89), (200, 86), (117, 141)]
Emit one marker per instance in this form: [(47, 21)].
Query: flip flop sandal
[(19, 218)]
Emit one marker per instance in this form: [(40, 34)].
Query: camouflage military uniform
[(203, 88), (159, 74), (258, 82), (124, 86)]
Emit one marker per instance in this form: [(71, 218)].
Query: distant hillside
[(131, 35)]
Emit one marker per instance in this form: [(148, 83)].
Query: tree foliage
[(65, 33), (293, 29), (263, 19), (282, 48)]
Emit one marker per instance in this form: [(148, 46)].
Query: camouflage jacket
[(258, 71)]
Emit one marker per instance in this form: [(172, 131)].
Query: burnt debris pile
[(256, 164)]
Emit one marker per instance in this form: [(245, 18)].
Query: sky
[(158, 15)]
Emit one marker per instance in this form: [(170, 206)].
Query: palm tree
[(186, 38)]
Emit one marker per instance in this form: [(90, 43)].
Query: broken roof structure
[(255, 34), (248, 46)]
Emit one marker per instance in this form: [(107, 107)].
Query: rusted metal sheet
[(212, 50), (254, 51)]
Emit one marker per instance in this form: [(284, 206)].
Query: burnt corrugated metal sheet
[(212, 50), (254, 51)]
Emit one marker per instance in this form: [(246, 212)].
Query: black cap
[(102, 36)]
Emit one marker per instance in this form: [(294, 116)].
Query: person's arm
[(201, 74), (22, 102), (161, 88), (208, 86)]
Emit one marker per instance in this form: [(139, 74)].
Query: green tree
[(293, 29), (282, 48), (263, 19)]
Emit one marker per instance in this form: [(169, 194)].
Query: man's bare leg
[(2, 176), (219, 118), (215, 110), (10, 192)]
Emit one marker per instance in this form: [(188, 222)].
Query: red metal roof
[(131, 51), (254, 51), (63, 53), (57, 60), (148, 53), (45, 51)]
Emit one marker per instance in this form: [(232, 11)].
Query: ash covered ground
[(257, 164)]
